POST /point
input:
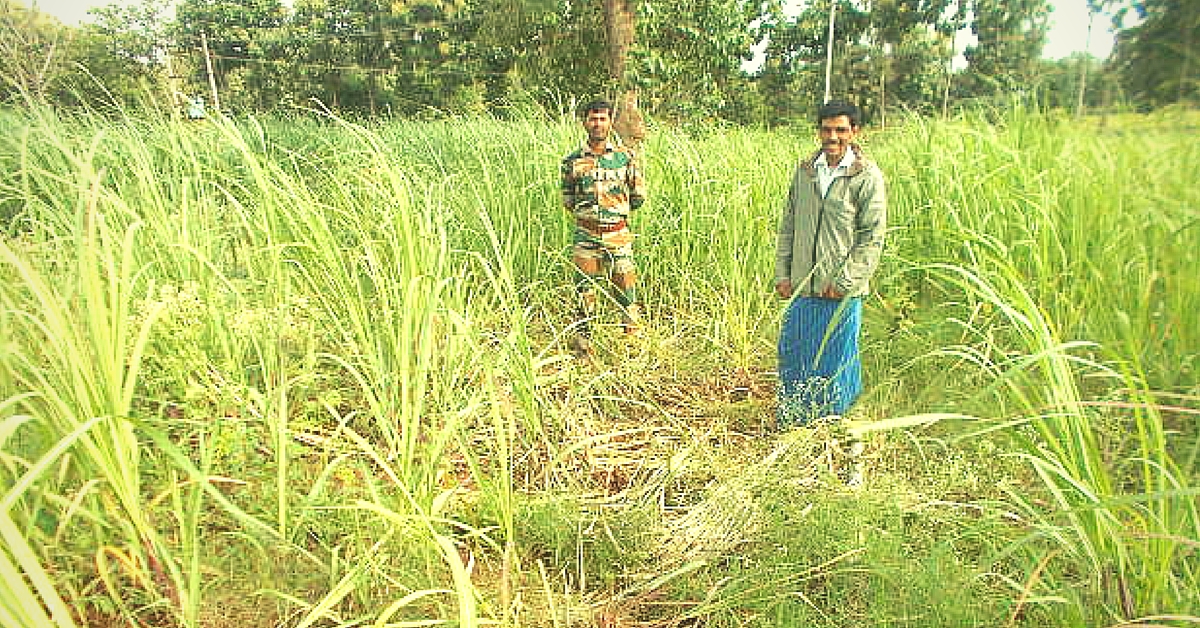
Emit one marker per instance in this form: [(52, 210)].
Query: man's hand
[(784, 289), (831, 292)]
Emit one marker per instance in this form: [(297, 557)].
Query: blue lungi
[(819, 369)]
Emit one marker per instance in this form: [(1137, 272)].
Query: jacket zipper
[(812, 273)]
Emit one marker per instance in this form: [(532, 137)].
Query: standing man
[(601, 185), (830, 238)]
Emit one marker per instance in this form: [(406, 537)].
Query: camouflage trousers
[(613, 250)]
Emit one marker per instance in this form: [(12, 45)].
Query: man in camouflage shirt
[(601, 185)]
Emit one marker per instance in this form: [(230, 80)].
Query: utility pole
[(212, 82), (620, 29), (829, 48), (883, 72), (176, 98), (946, 87), (1085, 59)]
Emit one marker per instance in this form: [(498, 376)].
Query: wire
[(358, 68)]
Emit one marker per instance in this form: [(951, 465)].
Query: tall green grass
[(339, 352), (1071, 256)]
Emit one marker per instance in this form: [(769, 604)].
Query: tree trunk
[(212, 81), (883, 95), (949, 77), (620, 27), (618, 21), (1185, 68), (629, 123), (829, 50), (1085, 61)]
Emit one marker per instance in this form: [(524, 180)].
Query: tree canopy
[(687, 59)]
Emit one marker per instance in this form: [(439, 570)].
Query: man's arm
[(783, 243), (635, 181), (567, 184), (870, 226)]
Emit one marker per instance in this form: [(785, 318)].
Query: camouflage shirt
[(602, 188)]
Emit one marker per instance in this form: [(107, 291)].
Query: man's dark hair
[(596, 105), (835, 108)]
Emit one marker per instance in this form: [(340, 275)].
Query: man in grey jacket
[(830, 240)]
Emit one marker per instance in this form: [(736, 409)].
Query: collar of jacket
[(855, 168), (609, 147)]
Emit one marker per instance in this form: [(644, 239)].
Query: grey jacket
[(835, 241)]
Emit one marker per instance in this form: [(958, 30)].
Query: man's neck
[(598, 146), (833, 163)]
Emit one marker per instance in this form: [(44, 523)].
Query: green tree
[(553, 52), (1157, 59), (792, 58), (33, 47), (691, 62), (1010, 36), (514, 44), (793, 74), (239, 36), (374, 57), (888, 54), (1060, 83), (1095, 7), (683, 60), (120, 58), (908, 43), (342, 54), (439, 71)]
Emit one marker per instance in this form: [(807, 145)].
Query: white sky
[(1068, 24), (1068, 31), (70, 12)]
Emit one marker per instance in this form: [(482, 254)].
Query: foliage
[(1158, 60), (692, 61), (237, 36), (314, 373), (1010, 36), (888, 55), (32, 46), (1058, 84), (690, 68)]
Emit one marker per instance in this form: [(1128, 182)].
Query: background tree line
[(685, 59)]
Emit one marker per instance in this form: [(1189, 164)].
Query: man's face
[(836, 134), (598, 124)]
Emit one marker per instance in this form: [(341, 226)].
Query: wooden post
[(620, 27), (949, 75), (829, 49), (212, 81), (629, 123), (883, 86), (1084, 62), (176, 97)]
